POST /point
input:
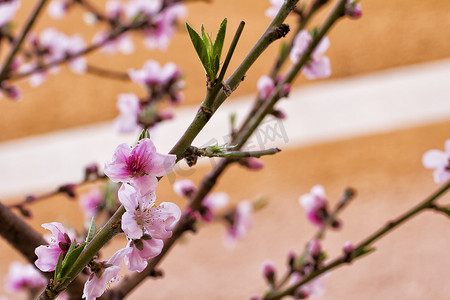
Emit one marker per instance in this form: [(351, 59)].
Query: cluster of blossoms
[(239, 219), (159, 82), (24, 277), (145, 223), (156, 20)]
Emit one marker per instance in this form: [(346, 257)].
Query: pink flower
[(57, 9), (97, 283), (440, 161), (348, 247), (113, 9), (158, 35), (241, 223), (7, 11), (211, 203), (272, 11), (22, 276), (123, 43), (59, 243), (145, 7), (319, 65), (130, 108), (143, 216), (353, 9), (315, 204), (152, 74), (266, 87), (142, 250), (90, 203), (76, 44), (184, 187), (139, 166)]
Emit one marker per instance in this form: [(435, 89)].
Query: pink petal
[(116, 169), (317, 68), (128, 198), (323, 46), (447, 147), (441, 175), (47, 257), (131, 228), (134, 261), (434, 159), (161, 164), (145, 185)]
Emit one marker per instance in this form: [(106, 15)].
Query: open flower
[(22, 276), (142, 250), (315, 204), (8, 10), (139, 166), (106, 273), (60, 242), (319, 65), (241, 223), (143, 216), (440, 161), (211, 203)]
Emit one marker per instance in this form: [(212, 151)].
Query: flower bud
[(315, 249), (184, 188), (291, 258), (251, 163), (285, 90), (348, 249), (268, 270), (353, 9), (279, 114), (68, 189)]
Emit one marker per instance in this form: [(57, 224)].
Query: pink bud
[(285, 90), (266, 87), (353, 9), (348, 248), (291, 258), (184, 187), (279, 114), (314, 248), (268, 270), (252, 163)]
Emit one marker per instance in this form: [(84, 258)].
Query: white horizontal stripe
[(331, 110)]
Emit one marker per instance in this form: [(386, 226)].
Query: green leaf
[(207, 41), (200, 48), (144, 135), (58, 267), (92, 230), (216, 65), (71, 257), (220, 39)]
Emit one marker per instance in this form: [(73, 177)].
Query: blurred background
[(386, 103)]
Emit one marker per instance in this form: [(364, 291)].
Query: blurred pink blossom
[(440, 161), (143, 216), (318, 66), (152, 74), (7, 11), (123, 43), (22, 276), (242, 221), (211, 203), (184, 187), (139, 166), (315, 205), (313, 288), (272, 11), (90, 203), (266, 87), (353, 9), (129, 107), (57, 9)]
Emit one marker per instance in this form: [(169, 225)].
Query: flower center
[(136, 165)]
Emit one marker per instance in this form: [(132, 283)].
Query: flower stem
[(18, 42), (362, 247)]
